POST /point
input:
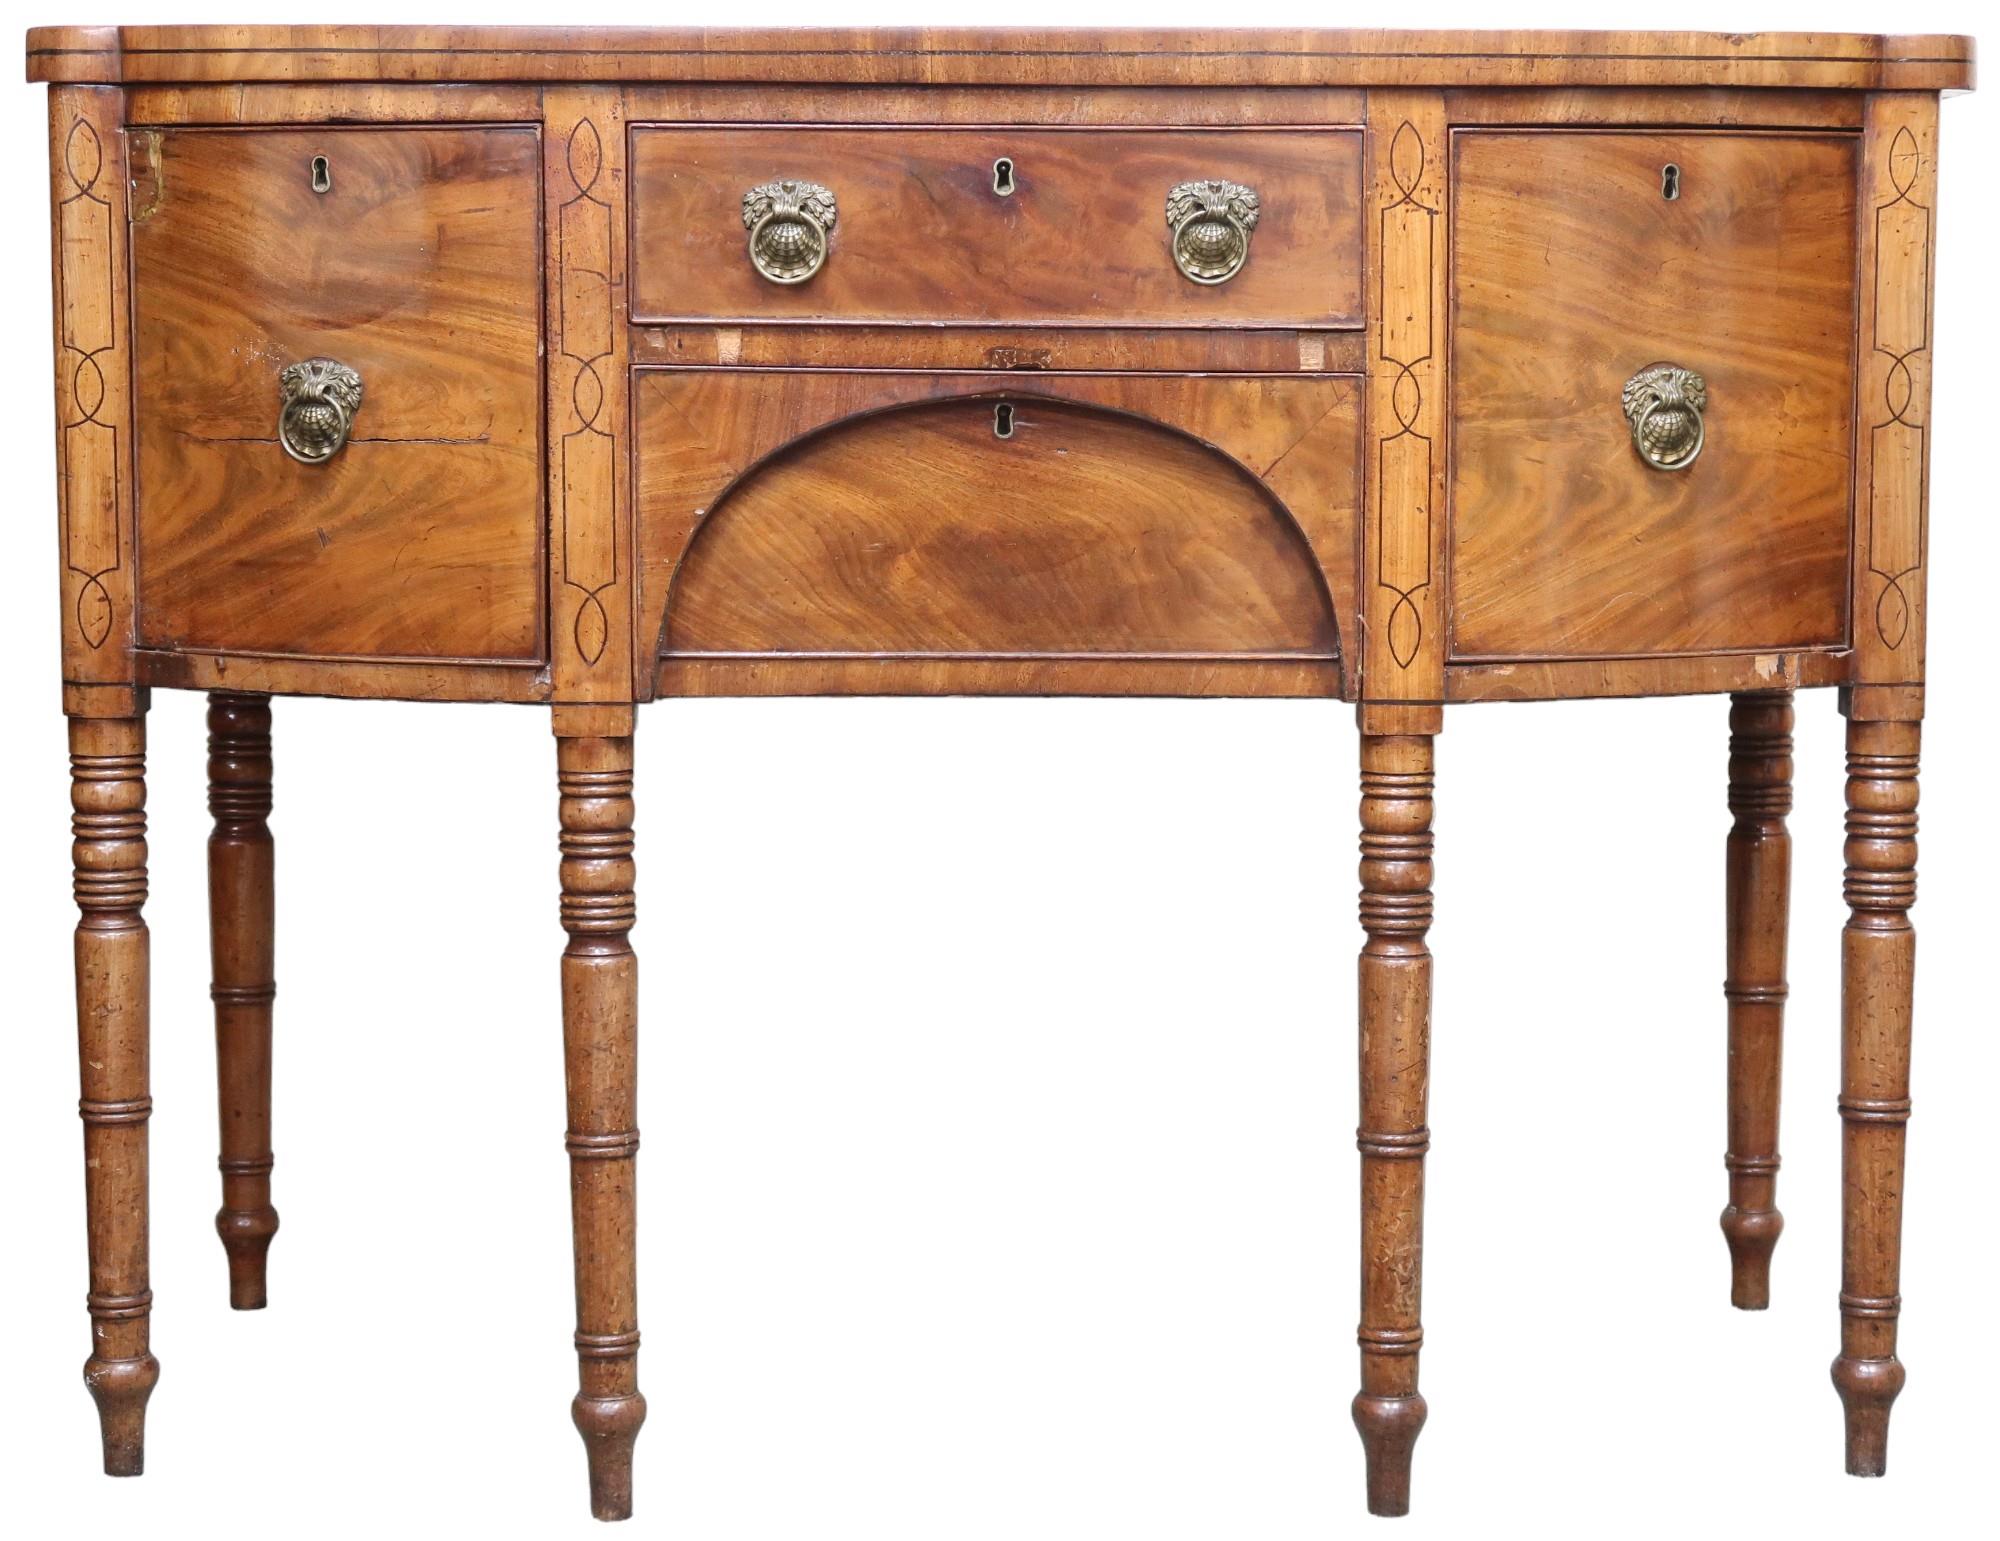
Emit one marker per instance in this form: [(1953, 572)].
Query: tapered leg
[(600, 1052), (1395, 977), (1877, 964), (1759, 914), (240, 921), (108, 794)]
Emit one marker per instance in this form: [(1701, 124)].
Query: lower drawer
[(1102, 532)]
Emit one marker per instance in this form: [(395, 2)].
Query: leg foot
[(241, 922), (600, 1054), (1867, 1387), (1752, 1235), (1395, 980), (610, 1428), (1759, 916), (113, 970), (1878, 961), (1389, 1428), (246, 1241), (120, 1388)]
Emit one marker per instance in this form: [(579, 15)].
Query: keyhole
[(1670, 181), (322, 175), (1003, 420), (1003, 177)]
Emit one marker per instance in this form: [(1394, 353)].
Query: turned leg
[(600, 978), (1877, 963), (108, 792), (240, 918), (1395, 977), (1759, 914)]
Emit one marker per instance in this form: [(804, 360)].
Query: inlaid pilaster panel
[(93, 362), (590, 518), (1402, 576), (1892, 441)]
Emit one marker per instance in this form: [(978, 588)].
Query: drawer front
[(921, 233), (1572, 273), (419, 268), (887, 517)]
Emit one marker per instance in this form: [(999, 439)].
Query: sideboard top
[(965, 56)]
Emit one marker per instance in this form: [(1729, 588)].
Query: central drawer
[(1086, 531), (1073, 227)]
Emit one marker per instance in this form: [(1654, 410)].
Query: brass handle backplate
[(1211, 224), (320, 399), (788, 224), (1664, 404)]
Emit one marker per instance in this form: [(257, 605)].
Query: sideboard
[(577, 368)]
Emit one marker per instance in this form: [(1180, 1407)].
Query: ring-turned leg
[(240, 919), (1877, 963), (1395, 978), (108, 794), (1759, 914), (600, 979)]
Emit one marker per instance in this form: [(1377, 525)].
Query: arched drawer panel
[(912, 520), (923, 530)]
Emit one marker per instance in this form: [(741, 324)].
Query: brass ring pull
[(788, 224), (320, 399), (1664, 404), (1211, 224)]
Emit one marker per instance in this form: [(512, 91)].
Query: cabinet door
[(411, 256), (1581, 259)]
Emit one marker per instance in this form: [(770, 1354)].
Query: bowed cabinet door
[(411, 257), (1581, 261)]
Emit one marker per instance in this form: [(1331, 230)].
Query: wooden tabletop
[(968, 56)]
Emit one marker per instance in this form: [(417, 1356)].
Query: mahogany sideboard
[(579, 368)]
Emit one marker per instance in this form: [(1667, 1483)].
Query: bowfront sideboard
[(580, 368)]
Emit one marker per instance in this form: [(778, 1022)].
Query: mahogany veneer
[(580, 367)]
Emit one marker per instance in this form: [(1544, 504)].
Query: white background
[(998, 1078)]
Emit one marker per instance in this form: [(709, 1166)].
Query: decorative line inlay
[(586, 322), (92, 545), (1408, 262), (1899, 443)]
